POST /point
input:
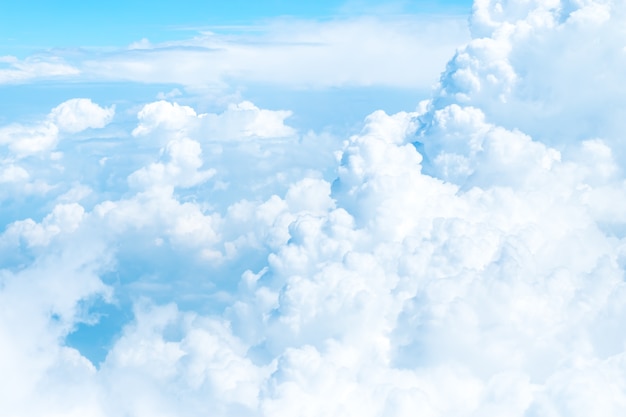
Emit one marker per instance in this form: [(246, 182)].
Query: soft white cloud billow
[(27, 140), (70, 117), (79, 114), (242, 120), (546, 68), (457, 260), (181, 170)]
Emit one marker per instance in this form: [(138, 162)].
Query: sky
[(328, 208), (39, 25)]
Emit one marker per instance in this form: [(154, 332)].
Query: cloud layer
[(392, 51), (463, 259)]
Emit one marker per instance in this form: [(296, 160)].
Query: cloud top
[(70, 117), (79, 114)]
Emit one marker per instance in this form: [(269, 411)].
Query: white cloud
[(78, 114), (395, 51), (238, 121), (34, 68), (13, 173), (181, 170), (476, 272), (65, 218), (163, 114), (247, 120), (71, 116), (545, 62), (27, 140)]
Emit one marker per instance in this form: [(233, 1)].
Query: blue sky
[(30, 25), (76, 34), (280, 208)]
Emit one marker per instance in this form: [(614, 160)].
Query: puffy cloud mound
[(69, 117), (546, 68), (239, 121), (79, 114), (462, 260)]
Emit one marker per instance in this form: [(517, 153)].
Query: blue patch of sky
[(94, 339), (147, 271)]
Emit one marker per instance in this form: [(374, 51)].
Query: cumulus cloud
[(182, 169), (456, 260), (523, 55), (239, 121), (170, 116), (79, 114), (72, 116), (64, 218)]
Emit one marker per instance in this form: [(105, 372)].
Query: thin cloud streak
[(402, 51)]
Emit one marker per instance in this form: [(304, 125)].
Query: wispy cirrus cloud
[(393, 52), (14, 70), (402, 51)]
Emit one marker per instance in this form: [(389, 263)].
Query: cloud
[(26, 140), (34, 68), (391, 51), (13, 173), (77, 115), (454, 260), (523, 55), (241, 120), (64, 218), (170, 116), (182, 169), (71, 116)]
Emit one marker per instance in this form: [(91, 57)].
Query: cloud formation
[(391, 51), (239, 121), (34, 68), (457, 260), (76, 115), (69, 117)]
